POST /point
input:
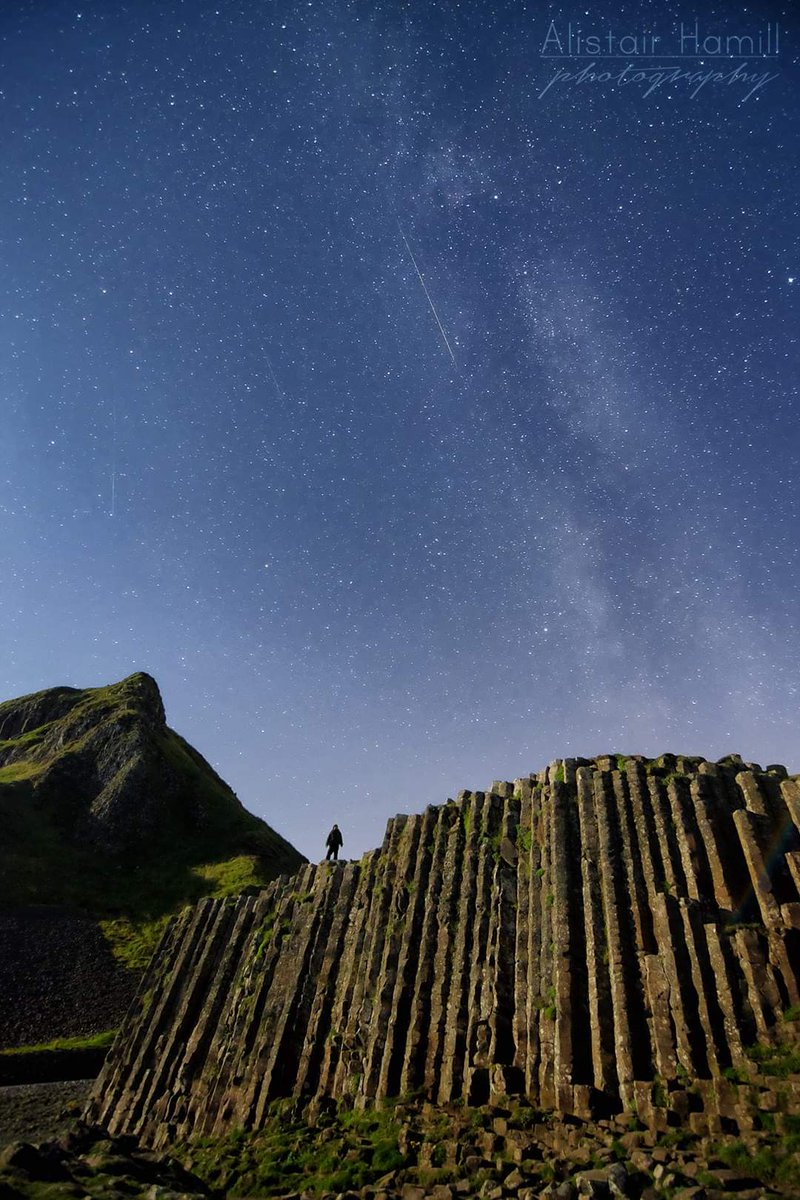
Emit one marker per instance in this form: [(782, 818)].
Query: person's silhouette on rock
[(334, 842)]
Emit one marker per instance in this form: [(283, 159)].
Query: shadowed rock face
[(101, 768), (88, 752), (604, 935), (105, 813)]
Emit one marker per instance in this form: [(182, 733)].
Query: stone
[(474, 1163), (559, 1191), (411, 1191), (407, 1139), (37, 1162), (617, 1179), (731, 1180), (642, 1160), (594, 972), (593, 1183)]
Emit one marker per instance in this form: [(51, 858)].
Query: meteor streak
[(428, 296), (114, 460), (274, 380)]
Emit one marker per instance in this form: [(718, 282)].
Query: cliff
[(606, 935), (111, 822)]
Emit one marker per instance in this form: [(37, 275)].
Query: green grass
[(777, 1160), (133, 942), (17, 771), (265, 932), (229, 878), (349, 1149), (94, 1041), (735, 1075), (134, 938), (779, 1061), (354, 1150), (30, 738), (493, 842)]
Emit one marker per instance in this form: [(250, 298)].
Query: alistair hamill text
[(689, 40)]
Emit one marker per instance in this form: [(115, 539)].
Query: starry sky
[(412, 421)]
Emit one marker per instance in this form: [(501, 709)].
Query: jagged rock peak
[(138, 693)]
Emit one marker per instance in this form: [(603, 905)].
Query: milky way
[(372, 557)]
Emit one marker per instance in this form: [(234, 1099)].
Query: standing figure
[(333, 842)]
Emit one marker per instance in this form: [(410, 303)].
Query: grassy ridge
[(106, 810), (134, 936), (94, 1041)]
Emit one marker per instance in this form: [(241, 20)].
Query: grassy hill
[(107, 812)]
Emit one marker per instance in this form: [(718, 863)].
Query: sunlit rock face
[(604, 935)]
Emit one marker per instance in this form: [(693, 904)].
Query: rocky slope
[(411, 1150), (111, 822)]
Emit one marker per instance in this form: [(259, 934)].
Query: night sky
[(411, 427)]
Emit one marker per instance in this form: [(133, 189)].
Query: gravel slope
[(58, 977), (36, 1112)]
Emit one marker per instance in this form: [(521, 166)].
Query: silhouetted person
[(333, 842)]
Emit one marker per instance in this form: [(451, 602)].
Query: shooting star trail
[(428, 296), (114, 460), (278, 388)]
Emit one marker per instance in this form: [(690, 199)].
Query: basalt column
[(603, 935)]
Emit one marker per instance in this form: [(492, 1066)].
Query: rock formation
[(606, 935), (100, 767), (106, 815)]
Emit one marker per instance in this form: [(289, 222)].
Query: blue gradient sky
[(238, 452)]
